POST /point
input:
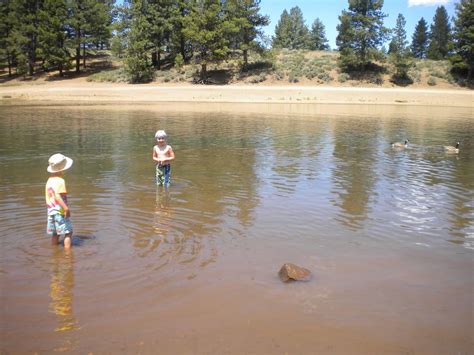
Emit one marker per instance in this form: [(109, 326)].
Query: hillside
[(285, 67)]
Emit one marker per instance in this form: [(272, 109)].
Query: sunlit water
[(387, 233)]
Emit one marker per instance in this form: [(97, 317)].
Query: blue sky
[(329, 10)]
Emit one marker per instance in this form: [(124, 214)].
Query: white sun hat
[(160, 134), (58, 162)]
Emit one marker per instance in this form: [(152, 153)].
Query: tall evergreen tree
[(7, 45), (159, 17), (247, 18), (363, 35), (89, 25), (419, 42), (318, 40), (25, 32), (137, 63), (52, 35), (344, 31), (463, 61), (180, 10), (282, 30), (440, 35), (400, 35), (77, 27), (399, 54), (291, 32), (120, 27), (208, 28)]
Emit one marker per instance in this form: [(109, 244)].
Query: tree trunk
[(78, 51), (78, 58), (9, 64), (84, 55), (31, 61), (182, 49), (203, 71), (154, 60), (159, 59), (246, 57)]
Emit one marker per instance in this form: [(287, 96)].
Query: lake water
[(388, 234)]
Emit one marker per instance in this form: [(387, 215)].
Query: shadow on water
[(79, 239)]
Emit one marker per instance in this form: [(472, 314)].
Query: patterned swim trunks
[(58, 224), (163, 175)]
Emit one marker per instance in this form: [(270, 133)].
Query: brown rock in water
[(292, 272)]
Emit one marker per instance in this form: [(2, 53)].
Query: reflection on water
[(61, 293), (355, 149), (280, 183)]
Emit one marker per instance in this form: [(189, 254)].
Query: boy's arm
[(170, 156), (155, 155), (63, 205)]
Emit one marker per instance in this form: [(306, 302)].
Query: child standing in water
[(162, 155), (56, 200)]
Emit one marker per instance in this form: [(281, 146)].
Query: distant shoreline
[(83, 92)]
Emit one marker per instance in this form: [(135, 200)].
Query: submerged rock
[(293, 272)]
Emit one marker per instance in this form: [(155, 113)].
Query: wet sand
[(82, 92)]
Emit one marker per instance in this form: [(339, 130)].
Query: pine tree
[(299, 32), (440, 35), (52, 35), (247, 18), (318, 40), (345, 32), (7, 46), (398, 52), (89, 25), (24, 36), (159, 17), (363, 33), (137, 63), (419, 42), (291, 32), (400, 35), (209, 29), (282, 30), (120, 27), (180, 10), (463, 60)]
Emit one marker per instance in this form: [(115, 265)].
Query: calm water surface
[(388, 234)]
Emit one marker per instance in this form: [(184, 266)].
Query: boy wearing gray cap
[(56, 200), (162, 155)]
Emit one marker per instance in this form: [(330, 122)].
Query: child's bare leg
[(55, 239), (67, 241)]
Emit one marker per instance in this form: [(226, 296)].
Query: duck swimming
[(400, 144), (451, 149)]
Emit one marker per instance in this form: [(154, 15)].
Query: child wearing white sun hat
[(59, 222)]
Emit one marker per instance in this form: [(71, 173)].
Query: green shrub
[(279, 75), (415, 75), (113, 76), (343, 77), (437, 74), (293, 78), (178, 61), (324, 77), (258, 78), (431, 81)]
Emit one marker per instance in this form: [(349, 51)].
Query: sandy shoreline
[(102, 93)]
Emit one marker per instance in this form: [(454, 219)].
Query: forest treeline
[(49, 35)]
